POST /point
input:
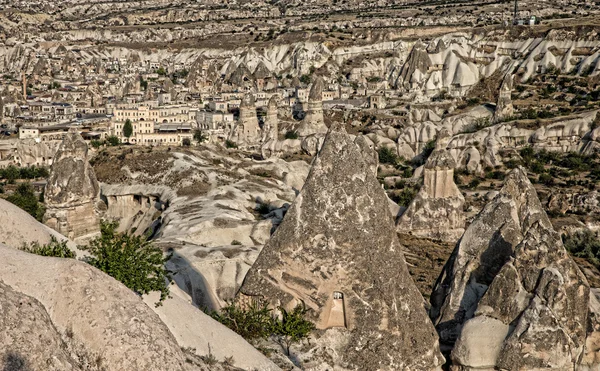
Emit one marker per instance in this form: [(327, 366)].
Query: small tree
[(127, 129), (186, 142), (292, 327), (133, 260), (292, 134)]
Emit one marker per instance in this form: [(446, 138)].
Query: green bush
[(387, 156), (133, 260), (253, 322), (230, 144), (54, 248), (292, 134), (583, 244), (257, 321), (25, 198), (405, 196), (292, 327), (113, 140)]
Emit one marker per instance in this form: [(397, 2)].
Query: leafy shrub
[(25, 198), (113, 140), (54, 248), (133, 260), (257, 321), (96, 143), (292, 134), (236, 242), (252, 323), (474, 183), (230, 144), (405, 196), (583, 244), (186, 142), (292, 327), (387, 156)]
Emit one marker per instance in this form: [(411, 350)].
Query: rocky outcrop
[(17, 227), (247, 131), (510, 295), (504, 107), (103, 319), (29, 340), (72, 191), (337, 252), (313, 122), (437, 210), (270, 129)]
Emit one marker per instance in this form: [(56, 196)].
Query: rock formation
[(418, 60), (510, 295), (270, 129), (247, 131), (103, 320), (504, 107), (72, 191), (337, 252), (437, 210), (271, 126), (313, 122), (17, 227), (29, 340)]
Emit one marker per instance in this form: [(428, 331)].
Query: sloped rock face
[(29, 340), (106, 320), (270, 129), (336, 250), (313, 122), (437, 210), (72, 191), (510, 295)]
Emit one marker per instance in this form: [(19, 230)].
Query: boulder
[(337, 252)]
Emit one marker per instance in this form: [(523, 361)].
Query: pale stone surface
[(247, 131), (17, 227), (196, 330), (109, 321), (28, 339), (72, 191), (338, 232)]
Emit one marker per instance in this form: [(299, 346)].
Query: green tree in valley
[(133, 260)]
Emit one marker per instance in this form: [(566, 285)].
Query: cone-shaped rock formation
[(510, 295), (337, 251)]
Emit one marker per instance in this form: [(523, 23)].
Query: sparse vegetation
[(230, 144), (583, 244), (257, 321), (54, 248)]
